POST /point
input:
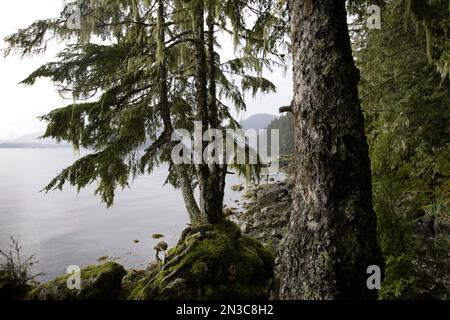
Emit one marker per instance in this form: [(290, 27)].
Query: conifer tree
[(406, 103), (142, 67), (331, 239)]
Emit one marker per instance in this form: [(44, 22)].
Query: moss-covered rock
[(210, 262), (237, 187), (130, 280), (229, 212), (97, 282)]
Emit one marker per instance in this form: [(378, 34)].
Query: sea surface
[(64, 228)]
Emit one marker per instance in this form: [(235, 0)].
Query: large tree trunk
[(332, 232)]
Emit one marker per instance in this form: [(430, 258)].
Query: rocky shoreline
[(267, 212), (263, 213), (266, 216)]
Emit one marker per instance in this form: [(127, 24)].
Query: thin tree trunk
[(210, 204), (194, 212), (183, 178), (217, 170), (212, 103), (332, 232)]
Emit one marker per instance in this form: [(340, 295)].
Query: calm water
[(66, 228)]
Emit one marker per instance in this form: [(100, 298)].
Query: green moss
[(249, 194), (237, 187), (229, 211), (211, 262), (97, 282)]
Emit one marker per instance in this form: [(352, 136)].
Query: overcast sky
[(21, 105)]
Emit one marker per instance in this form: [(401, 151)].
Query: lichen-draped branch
[(136, 65)]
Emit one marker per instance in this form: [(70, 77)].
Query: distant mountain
[(32, 141), (258, 121), (32, 138)]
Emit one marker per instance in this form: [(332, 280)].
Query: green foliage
[(97, 283), (399, 281), (285, 125), (433, 16), (407, 109), (132, 63), (16, 275), (211, 263)]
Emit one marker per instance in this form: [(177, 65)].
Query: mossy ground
[(97, 282), (210, 262)]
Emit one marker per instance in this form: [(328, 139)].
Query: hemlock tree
[(285, 125), (145, 69), (332, 233), (433, 17), (407, 105)]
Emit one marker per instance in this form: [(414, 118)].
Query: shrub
[(16, 275)]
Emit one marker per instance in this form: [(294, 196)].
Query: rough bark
[(212, 99), (217, 170), (192, 208), (332, 231), (183, 178), (210, 201)]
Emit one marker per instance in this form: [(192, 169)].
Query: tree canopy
[(140, 69)]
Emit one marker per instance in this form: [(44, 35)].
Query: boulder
[(237, 187), (97, 282), (210, 262), (268, 195), (267, 217)]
